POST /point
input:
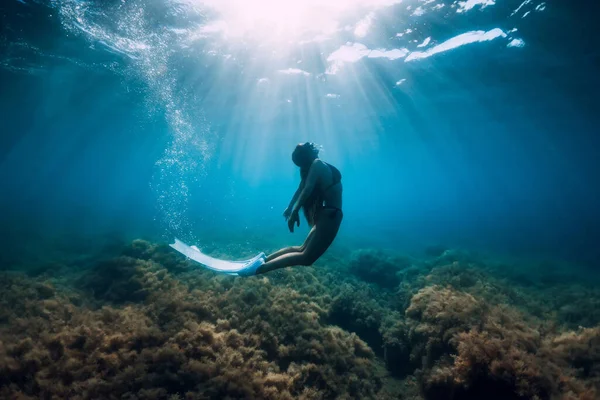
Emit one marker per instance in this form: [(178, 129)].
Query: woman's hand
[(293, 218), (287, 213)]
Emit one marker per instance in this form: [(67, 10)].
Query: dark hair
[(304, 154)]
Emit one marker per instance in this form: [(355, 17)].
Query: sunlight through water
[(126, 29), (296, 68), (282, 20)]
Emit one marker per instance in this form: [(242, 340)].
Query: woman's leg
[(317, 242), (291, 249)]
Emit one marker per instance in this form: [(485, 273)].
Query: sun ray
[(283, 20)]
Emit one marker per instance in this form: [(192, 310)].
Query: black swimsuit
[(337, 178), (315, 201)]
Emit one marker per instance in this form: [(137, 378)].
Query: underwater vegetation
[(147, 324)]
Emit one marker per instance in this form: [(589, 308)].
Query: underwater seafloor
[(142, 322)]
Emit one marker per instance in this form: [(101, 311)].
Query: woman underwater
[(320, 196)]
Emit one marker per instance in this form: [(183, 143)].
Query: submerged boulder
[(376, 267)]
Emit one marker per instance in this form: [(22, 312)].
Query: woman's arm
[(288, 210), (309, 185), (296, 195)]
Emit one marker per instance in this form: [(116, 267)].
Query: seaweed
[(374, 266), (145, 325)]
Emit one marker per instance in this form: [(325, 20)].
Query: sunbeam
[(284, 20), (239, 83)]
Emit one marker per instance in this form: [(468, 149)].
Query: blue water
[(150, 119)]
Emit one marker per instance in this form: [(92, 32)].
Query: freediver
[(319, 195)]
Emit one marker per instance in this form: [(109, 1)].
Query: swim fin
[(251, 267), (217, 265)]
